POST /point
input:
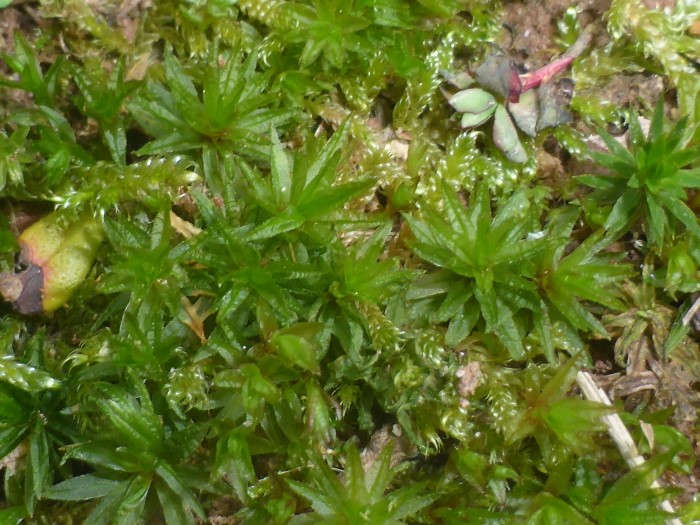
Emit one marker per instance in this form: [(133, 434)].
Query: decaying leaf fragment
[(55, 258)]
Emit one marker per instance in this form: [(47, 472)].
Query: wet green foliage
[(650, 179), (319, 300)]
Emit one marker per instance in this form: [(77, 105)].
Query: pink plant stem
[(543, 74)]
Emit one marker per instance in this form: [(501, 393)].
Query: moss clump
[(293, 290)]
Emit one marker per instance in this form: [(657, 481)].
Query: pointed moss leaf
[(598, 182), (657, 219), (624, 211), (11, 437), (287, 221), (281, 173), (633, 489), (80, 488), (133, 501), (378, 475), (134, 421), (525, 112), (297, 350), (507, 331), (473, 120), (407, 501), (183, 89), (459, 292), (318, 414), (173, 511), (103, 512), (182, 443), (461, 325), (682, 212), (104, 456), (431, 284), (472, 101), (25, 377), (553, 510), (505, 136), (575, 421), (323, 161), (267, 321), (233, 460), (38, 470), (323, 201), (321, 502), (689, 178), (175, 483), (355, 476)]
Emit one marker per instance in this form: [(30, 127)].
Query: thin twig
[(691, 312), (619, 433)]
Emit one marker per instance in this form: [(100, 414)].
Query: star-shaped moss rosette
[(510, 97)]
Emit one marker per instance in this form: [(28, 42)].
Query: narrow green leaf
[(173, 509), (38, 470), (318, 416), (323, 201), (173, 481), (281, 173), (81, 488), (599, 182), (656, 127), (104, 456), (681, 211), (687, 178), (462, 324), (181, 85), (137, 425), (613, 163), (624, 212), (378, 475), (324, 160), (616, 149), (11, 437), (25, 377), (132, 504), (105, 510), (321, 502), (657, 220), (355, 476), (455, 210), (233, 460), (289, 220), (507, 331)]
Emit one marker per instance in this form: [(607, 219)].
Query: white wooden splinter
[(618, 432)]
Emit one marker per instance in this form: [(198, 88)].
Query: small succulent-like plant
[(477, 106), (510, 97)]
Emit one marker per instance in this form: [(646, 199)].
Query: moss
[(318, 298)]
